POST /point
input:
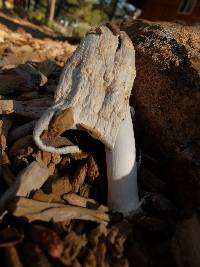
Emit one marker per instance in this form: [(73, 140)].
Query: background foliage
[(73, 17)]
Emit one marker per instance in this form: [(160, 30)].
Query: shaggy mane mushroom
[(94, 91)]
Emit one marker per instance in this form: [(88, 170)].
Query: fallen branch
[(36, 210)]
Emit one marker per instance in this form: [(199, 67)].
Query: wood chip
[(39, 195), (73, 245), (35, 210), (117, 235), (10, 237), (32, 178), (79, 156), (85, 190), (56, 141), (47, 67), (52, 167), (5, 125), (92, 170), (59, 187), (79, 201), (11, 257), (47, 239), (34, 256), (100, 254), (46, 157), (89, 259), (56, 158), (96, 234), (79, 177)]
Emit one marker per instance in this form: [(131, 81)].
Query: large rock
[(166, 98)]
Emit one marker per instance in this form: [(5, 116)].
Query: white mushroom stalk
[(122, 171)]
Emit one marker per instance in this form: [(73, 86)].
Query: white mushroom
[(93, 96), (122, 170)]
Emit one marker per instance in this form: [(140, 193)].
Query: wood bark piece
[(23, 78), (79, 201), (30, 108), (34, 256), (36, 210), (32, 178), (10, 237), (5, 125), (59, 187), (92, 168), (94, 89), (11, 257), (56, 141), (48, 239), (47, 67), (73, 245), (21, 131), (96, 234), (28, 96), (79, 177), (84, 190), (21, 145)]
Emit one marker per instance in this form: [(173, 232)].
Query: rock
[(158, 205), (185, 243), (166, 94)]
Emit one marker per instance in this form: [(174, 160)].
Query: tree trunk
[(51, 11), (4, 4)]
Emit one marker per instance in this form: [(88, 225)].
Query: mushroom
[(93, 96)]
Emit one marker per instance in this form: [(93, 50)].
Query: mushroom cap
[(94, 87)]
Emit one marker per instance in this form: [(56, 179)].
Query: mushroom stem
[(122, 170)]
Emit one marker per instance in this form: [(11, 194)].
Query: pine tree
[(51, 11)]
